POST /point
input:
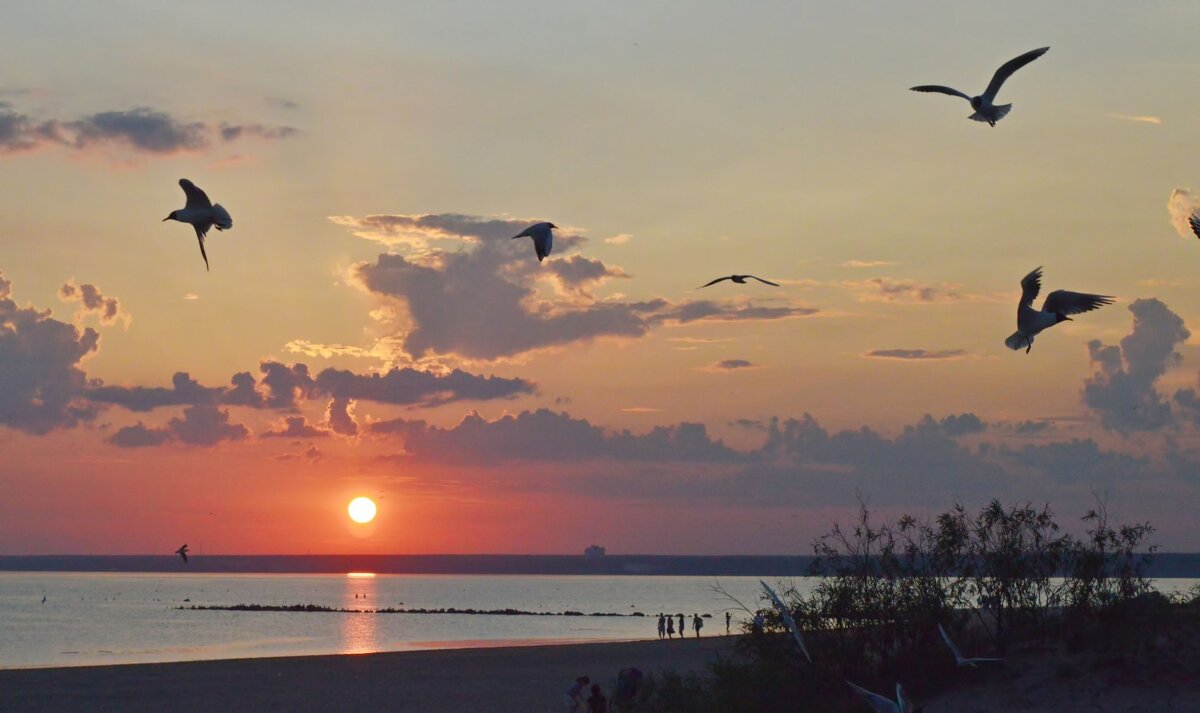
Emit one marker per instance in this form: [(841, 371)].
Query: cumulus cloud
[(92, 301), (204, 425), (139, 436), (340, 416), (41, 383), (141, 130), (916, 354), (1180, 207), (1122, 387), (295, 427)]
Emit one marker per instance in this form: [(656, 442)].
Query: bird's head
[(551, 225), (170, 216), (1060, 318)]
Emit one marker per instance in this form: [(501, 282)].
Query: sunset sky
[(368, 327)]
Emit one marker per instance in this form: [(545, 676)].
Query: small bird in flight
[(958, 657), (1058, 304), (879, 704), (543, 238), (739, 279), (201, 213), (985, 110), (182, 552)]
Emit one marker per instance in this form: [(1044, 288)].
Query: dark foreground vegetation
[(1004, 582)]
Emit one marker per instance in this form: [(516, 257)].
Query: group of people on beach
[(628, 682), (666, 625)]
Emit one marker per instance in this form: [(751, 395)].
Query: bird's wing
[(765, 282), (1031, 285), (1194, 220), (1006, 70), (542, 244), (1065, 302), (902, 703), (200, 238), (877, 702), (786, 615), (716, 281), (940, 90), (196, 198), (953, 649)]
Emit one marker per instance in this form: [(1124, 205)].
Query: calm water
[(100, 618)]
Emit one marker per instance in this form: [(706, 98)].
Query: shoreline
[(509, 677)]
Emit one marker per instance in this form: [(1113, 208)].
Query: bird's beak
[(1068, 319), (166, 219)]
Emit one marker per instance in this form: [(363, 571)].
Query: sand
[(528, 679)]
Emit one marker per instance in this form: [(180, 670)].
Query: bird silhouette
[(201, 214), (182, 552), (985, 109), (879, 704), (1058, 304), (739, 279), (543, 238), (958, 657)]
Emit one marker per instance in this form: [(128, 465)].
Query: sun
[(362, 510)]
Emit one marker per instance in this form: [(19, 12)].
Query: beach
[(496, 678)]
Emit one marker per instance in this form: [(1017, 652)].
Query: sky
[(368, 327)]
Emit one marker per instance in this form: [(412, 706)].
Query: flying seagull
[(741, 280), (958, 657), (543, 238), (879, 704), (985, 110), (1058, 304), (1194, 220), (182, 552), (786, 615), (201, 213)]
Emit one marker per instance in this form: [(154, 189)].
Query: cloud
[(420, 230), (1121, 389), (141, 130), (857, 264), (1143, 119), (731, 365), (577, 274), (312, 454), (1031, 428), (139, 436), (1079, 461), (204, 425), (92, 301), (897, 291), (619, 239), (916, 354), (184, 391), (1180, 207), (41, 384), (340, 416), (295, 427)]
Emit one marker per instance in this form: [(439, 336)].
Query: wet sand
[(528, 679)]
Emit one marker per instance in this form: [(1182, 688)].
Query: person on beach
[(575, 694), (697, 624), (597, 702), (662, 627), (682, 628), (670, 627), (728, 618)]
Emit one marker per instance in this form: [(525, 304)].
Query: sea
[(52, 619)]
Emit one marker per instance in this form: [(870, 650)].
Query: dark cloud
[(139, 436), (733, 364), (576, 273), (41, 384), (92, 301), (202, 425), (312, 454), (916, 354), (1121, 389), (184, 391), (1079, 461), (1032, 428), (141, 129), (295, 427), (340, 416)]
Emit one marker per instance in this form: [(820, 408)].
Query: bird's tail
[(996, 114), (221, 218), (1018, 341)]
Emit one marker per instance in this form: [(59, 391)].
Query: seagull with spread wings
[(879, 704), (543, 238), (182, 552), (958, 657), (1058, 305), (739, 279), (201, 213), (985, 109), (786, 615)]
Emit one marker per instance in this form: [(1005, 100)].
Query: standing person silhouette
[(574, 695), (728, 617), (682, 628), (671, 627), (697, 624), (662, 626)]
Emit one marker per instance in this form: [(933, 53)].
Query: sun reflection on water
[(359, 635)]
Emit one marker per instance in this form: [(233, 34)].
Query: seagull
[(1194, 220), (786, 615), (543, 239), (182, 552), (958, 657), (1058, 304), (201, 213), (985, 110), (740, 279), (882, 705)]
